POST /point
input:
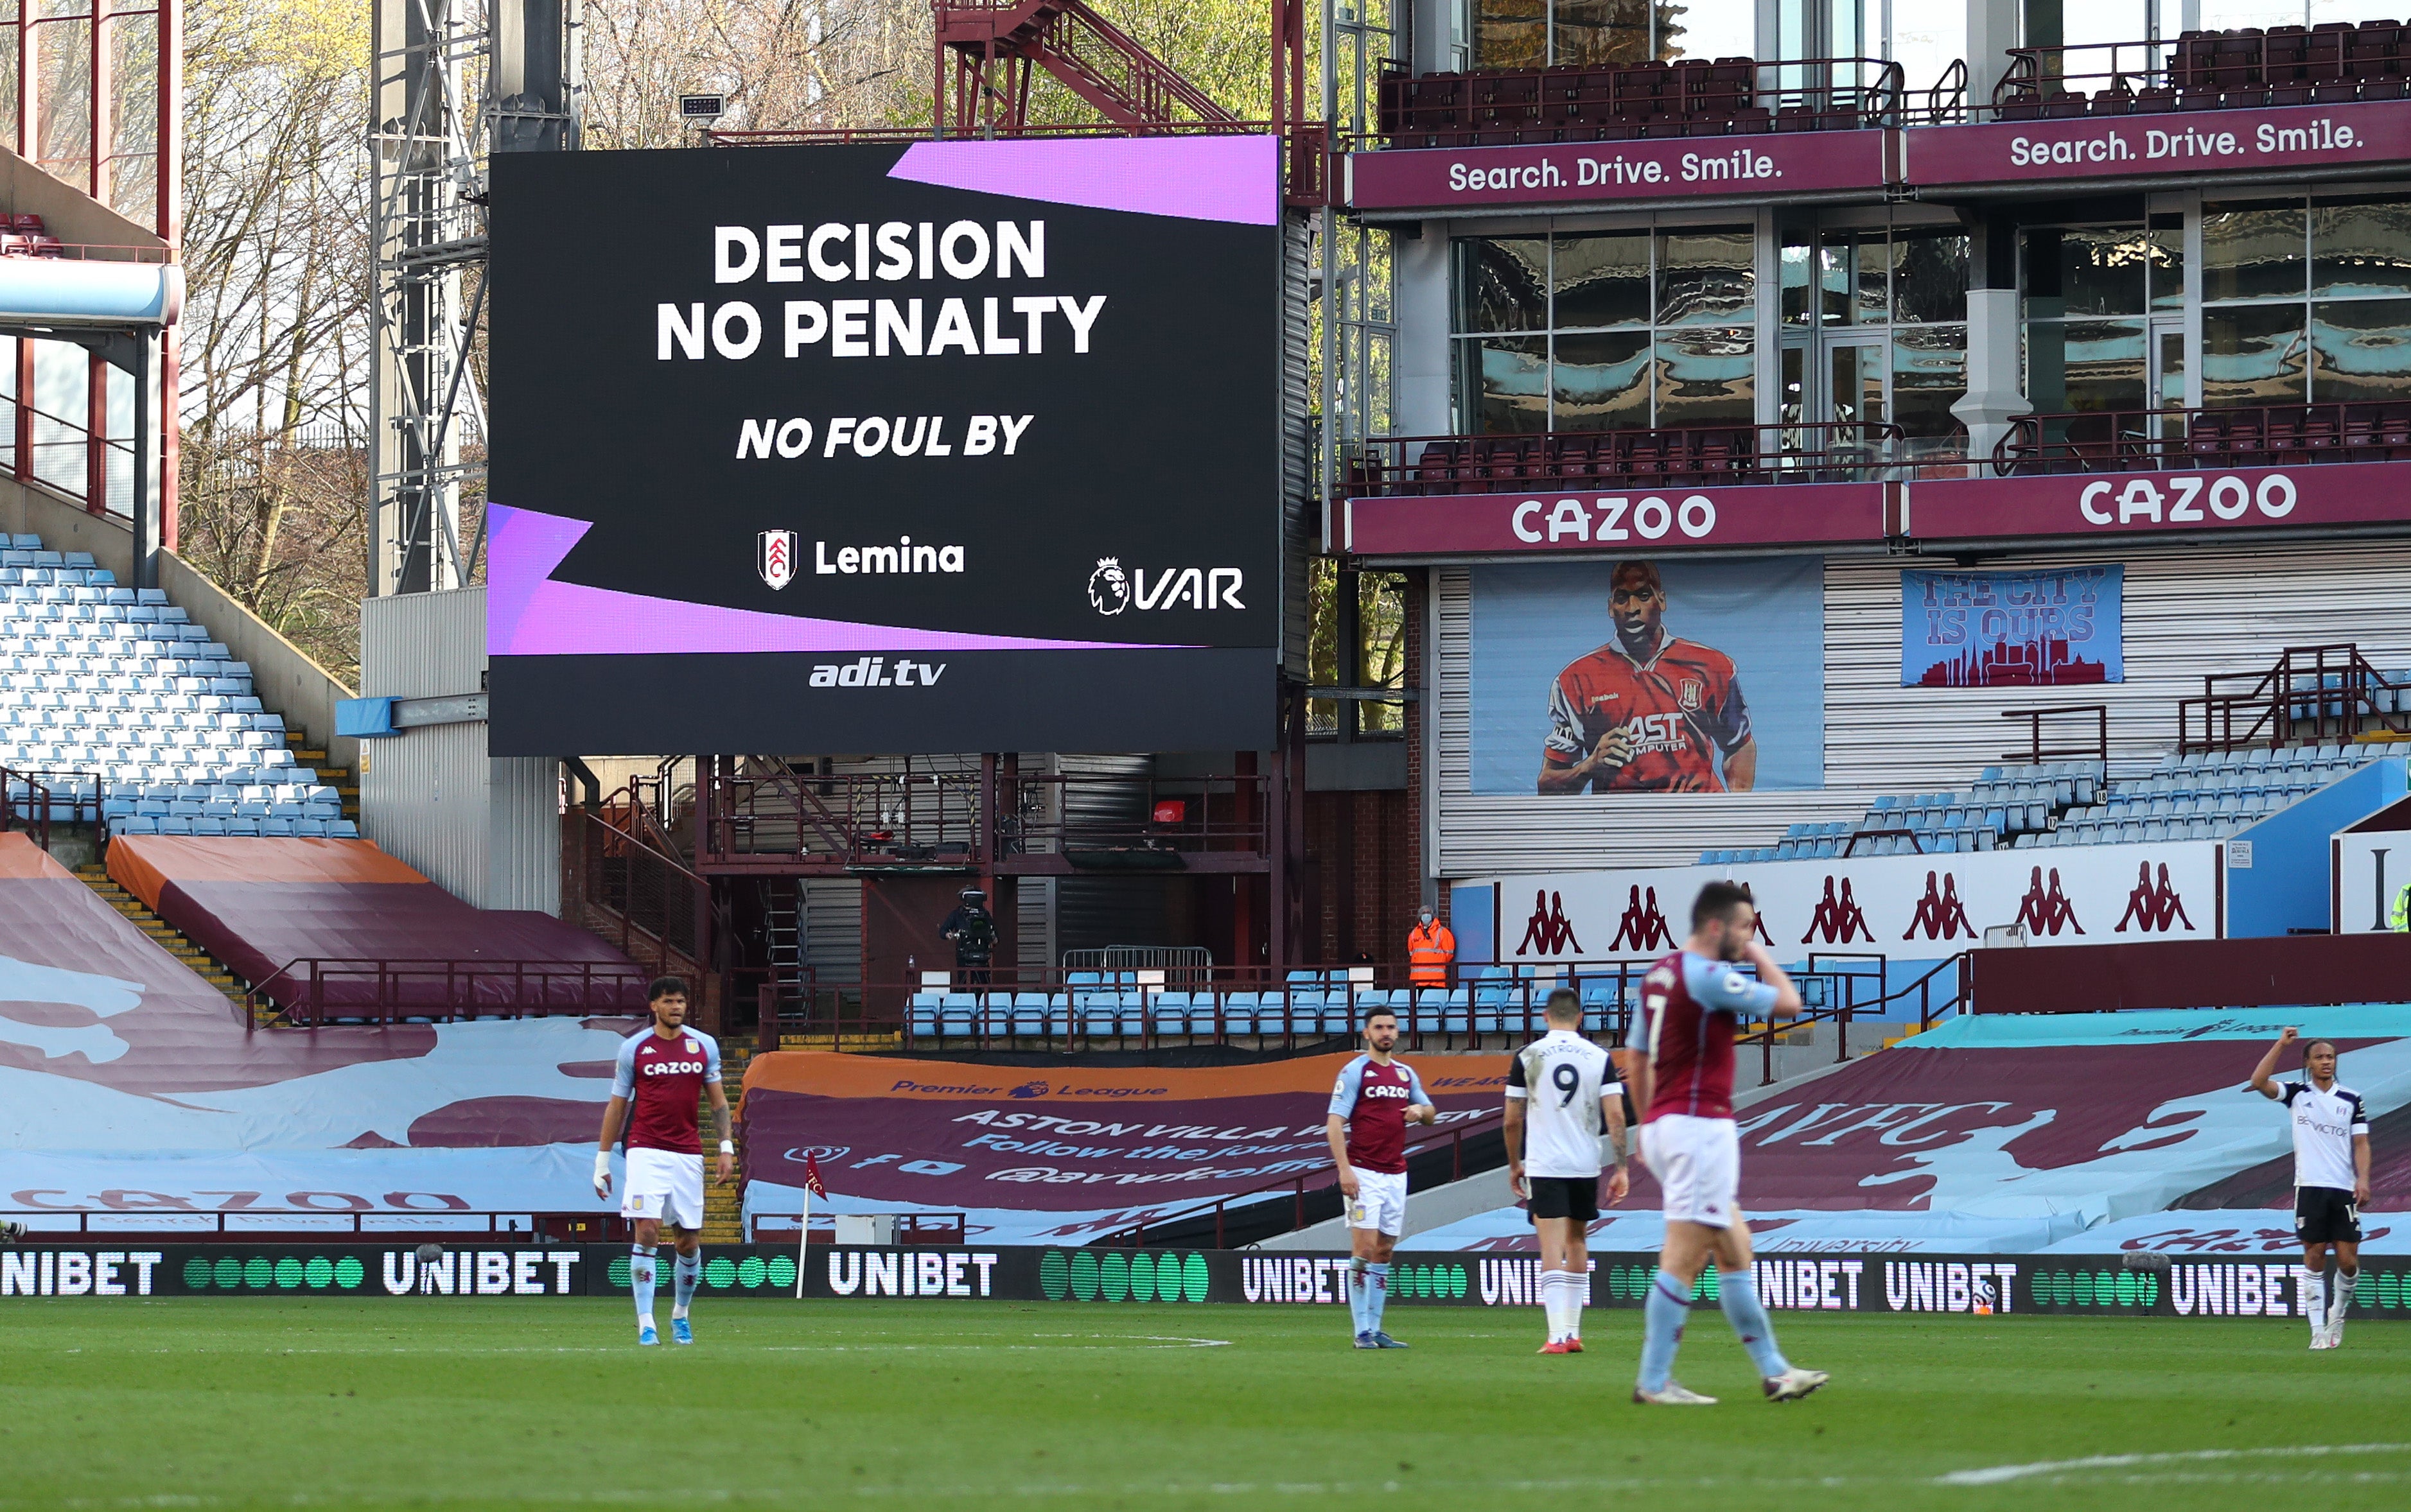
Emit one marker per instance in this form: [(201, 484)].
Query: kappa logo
[(1643, 926), (1548, 931), (1940, 914), (774, 558), (2152, 906), (1838, 919), (2045, 910)]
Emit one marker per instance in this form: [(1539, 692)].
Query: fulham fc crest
[(774, 558)]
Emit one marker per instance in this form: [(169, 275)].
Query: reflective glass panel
[(2253, 355), (1601, 382), (2253, 250), (2360, 350), (1603, 280), (1505, 385), (2360, 247), (1705, 276), (1706, 377), (1502, 284)]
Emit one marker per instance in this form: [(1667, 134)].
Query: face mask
[(1424, 915)]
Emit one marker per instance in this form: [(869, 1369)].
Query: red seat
[(2372, 52)]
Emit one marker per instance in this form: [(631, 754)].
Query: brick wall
[(1364, 850)]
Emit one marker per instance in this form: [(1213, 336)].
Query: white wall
[(487, 829), (2188, 611)]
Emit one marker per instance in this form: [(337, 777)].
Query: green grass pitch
[(343, 1402)]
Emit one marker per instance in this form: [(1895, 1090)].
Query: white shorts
[(1380, 1202), (1697, 1162), (666, 1186)]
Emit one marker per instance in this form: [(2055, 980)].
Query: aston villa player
[(658, 1085), (1649, 712)]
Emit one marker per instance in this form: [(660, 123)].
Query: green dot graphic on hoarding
[(2390, 1291), (1084, 1275), (350, 1273), (1143, 1277), (2083, 1286), (1054, 1275), (1113, 1276), (749, 1271), (720, 1272), (1192, 1278), (197, 1273), (619, 1270), (288, 1273), (257, 1273), (780, 1273), (228, 1273), (319, 1272)]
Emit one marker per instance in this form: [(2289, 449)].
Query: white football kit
[(1560, 1078)]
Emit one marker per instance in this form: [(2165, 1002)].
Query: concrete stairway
[(214, 972)]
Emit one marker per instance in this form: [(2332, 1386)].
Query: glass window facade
[(2306, 299), (1904, 288), (1606, 330), (2092, 293), (1605, 33)]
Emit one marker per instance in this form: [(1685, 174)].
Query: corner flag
[(813, 1188)]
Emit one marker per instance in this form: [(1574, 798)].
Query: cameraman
[(971, 929)]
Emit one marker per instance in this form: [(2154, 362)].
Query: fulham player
[(2331, 1178), (1375, 1100), (1682, 1083), (1573, 1096), (662, 1076)]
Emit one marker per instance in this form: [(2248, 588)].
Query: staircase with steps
[(724, 1217), (171, 939), (343, 779)]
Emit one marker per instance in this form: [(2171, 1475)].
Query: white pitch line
[(1995, 1474)]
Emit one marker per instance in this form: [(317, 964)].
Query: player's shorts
[(2326, 1215), (1697, 1162), (666, 1186), (1380, 1202), (1564, 1197)]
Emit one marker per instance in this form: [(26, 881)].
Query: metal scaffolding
[(455, 79)]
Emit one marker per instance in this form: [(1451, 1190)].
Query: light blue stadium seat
[(924, 1011)]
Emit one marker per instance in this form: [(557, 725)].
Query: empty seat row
[(1699, 456), (1495, 1009), (327, 829), (1690, 97)]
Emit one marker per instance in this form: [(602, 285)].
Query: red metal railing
[(2268, 435), (2096, 748), (2312, 694), (2335, 63), (25, 799), (313, 991), (1696, 456), (1693, 97)]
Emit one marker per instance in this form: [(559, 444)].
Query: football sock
[(1356, 1293), (2314, 1284), (1737, 1291), (2347, 1281), (1573, 1288), (1377, 1294), (1662, 1317), (1557, 1301), (640, 1280), (688, 1270)]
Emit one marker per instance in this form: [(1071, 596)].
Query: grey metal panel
[(2188, 611), (1301, 511), (423, 644), (833, 927), (523, 832), (423, 798)]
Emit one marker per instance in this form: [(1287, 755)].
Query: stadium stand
[(339, 931), (25, 236), (2022, 1131), (113, 700), (2200, 796), (2276, 435), (1690, 97), (2333, 63)]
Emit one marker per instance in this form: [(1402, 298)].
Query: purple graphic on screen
[(528, 614), (1196, 178)]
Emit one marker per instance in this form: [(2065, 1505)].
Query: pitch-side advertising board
[(1847, 1282), (959, 445)]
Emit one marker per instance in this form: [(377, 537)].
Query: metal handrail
[(822, 135), (2328, 65), (2289, 697), (2036, 751), (1582, 102), (37, 800), (306, 980), (1688, 456), (2264, 435)]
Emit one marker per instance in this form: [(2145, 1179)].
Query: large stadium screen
[(941, 446)]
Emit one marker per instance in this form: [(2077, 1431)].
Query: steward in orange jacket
[(1431, 950)]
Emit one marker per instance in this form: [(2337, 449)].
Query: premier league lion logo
[(1109, 590)]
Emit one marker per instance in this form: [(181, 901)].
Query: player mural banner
[(2372, 887), (877, 442), (1647, 676), (1057, 1153), (1911, 906), (2053, 628)]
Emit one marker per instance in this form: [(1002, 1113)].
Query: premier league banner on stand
[(940, 446), (1643, 675), (2055, 628)]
